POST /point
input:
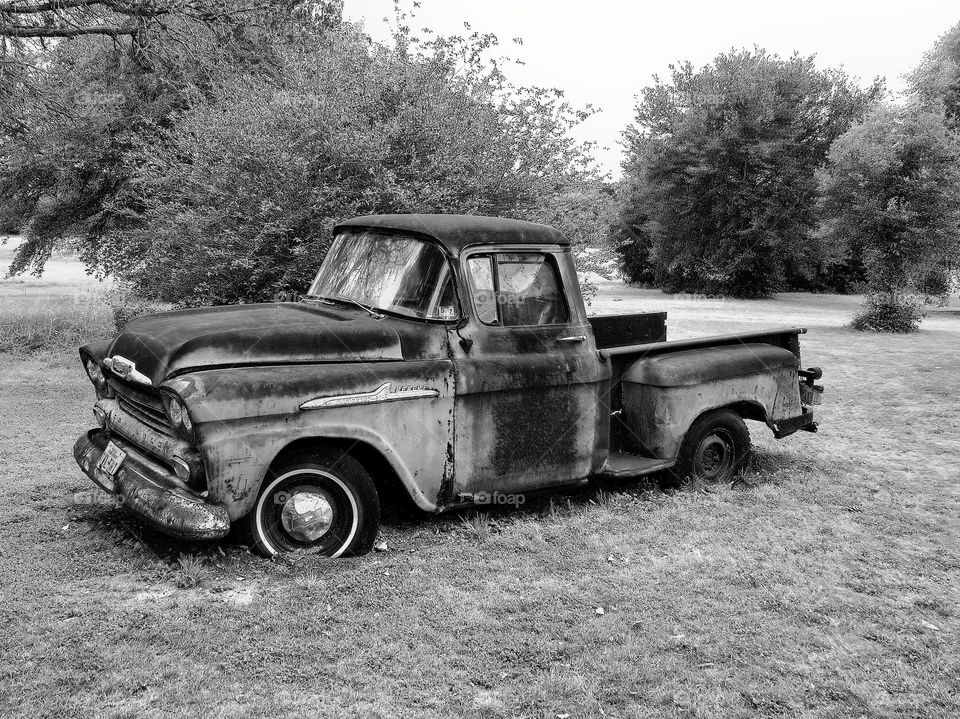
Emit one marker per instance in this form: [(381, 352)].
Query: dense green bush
[(74, 112), (126, 305), (238, 202), (890, 194), (719, 182), (937, 284), (224, 185), (889, 313), (935, 83)]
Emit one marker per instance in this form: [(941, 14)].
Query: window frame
[(550, 259), (451, 268)]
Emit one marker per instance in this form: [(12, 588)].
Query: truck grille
[(144, 407)]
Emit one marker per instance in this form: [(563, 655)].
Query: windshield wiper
[(349, 300), (373, 313), (317, 298)]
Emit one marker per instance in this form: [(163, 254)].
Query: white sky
[(604, 52)]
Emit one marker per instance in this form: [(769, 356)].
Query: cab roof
[(458, 231)]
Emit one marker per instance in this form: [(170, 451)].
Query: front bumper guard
[(151, 492)]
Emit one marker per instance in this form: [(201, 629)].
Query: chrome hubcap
[(307, 516)]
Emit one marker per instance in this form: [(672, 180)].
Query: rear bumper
[(151, 492), (805, 422)]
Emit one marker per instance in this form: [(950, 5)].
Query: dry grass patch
[(59, 322)]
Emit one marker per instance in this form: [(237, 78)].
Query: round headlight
[(94, 372), (175, 410), (179, 417)]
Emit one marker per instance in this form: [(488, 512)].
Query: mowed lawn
[(824, 586)]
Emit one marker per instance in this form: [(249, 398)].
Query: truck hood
[(248, 335)]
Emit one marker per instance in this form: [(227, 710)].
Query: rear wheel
[(715, 447), (322, 502)]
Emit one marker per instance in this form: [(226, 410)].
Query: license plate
[(110, 461)]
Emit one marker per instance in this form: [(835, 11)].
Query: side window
[(517, 289), (484, 291), (442, 302)]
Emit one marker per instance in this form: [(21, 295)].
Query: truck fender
[(664, 395)]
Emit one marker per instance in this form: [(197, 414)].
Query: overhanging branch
[(44, 31), (27, 8)]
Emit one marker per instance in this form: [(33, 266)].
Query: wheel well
[(392, 493), (748, 410)]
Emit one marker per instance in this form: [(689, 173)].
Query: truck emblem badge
[(125, 369), (383, 393)]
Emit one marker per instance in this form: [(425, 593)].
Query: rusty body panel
[(170, 343), (454, 407), (663, 395), (526, 405), (243, 423)]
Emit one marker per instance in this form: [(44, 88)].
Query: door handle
[(575, 338)]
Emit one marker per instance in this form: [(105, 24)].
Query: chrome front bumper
[(150, 491)]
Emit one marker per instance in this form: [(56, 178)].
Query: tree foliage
[(237, 203), (226, 189), (719, 182), (935, 82), (891, 194), (72, 112)]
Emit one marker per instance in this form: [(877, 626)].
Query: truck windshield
[(392, 273)]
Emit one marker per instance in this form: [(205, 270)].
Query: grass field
[(827, 586)]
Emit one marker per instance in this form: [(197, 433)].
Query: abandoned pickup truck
[(449, 358)]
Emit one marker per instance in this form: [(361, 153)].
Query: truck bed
[(645, 334), (785, 337), (622, 340)]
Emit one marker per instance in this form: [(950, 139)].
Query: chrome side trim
[(383, 393)]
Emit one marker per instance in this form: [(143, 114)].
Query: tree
[(629, 229), (719, 183), (80, 95), (935, 83), (890, 193), (46, 20), (935, 87), (233, 195)]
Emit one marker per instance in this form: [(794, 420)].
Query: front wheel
[(714, 448), (323, 502)]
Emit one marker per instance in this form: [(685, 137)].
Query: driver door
[(526, 408)]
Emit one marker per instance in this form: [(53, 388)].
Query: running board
[(625, 466)]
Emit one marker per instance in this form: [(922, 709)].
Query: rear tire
[(320, 502), (714, 448)]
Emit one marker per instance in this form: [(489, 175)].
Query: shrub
[(127, 305), (720, 180), (890, 195), (229, 193), (937, 284), (889, 313)]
